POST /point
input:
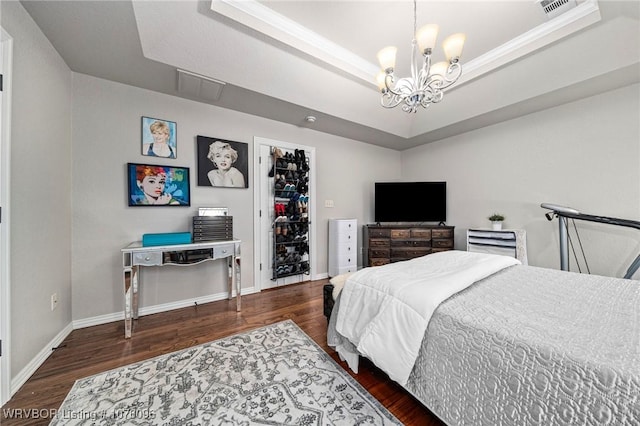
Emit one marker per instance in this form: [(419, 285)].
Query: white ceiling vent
[(553, 8), (199, 86)]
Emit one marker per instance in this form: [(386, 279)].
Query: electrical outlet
[(54, 301), (328, 203)]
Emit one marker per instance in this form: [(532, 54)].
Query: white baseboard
[(320, 276), (22, 377), (148, 310)]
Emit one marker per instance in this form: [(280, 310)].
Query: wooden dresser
[(393, 243)]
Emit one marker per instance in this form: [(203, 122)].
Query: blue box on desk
[(166, 239)]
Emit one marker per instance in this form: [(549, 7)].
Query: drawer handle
[(147, 258), (224, 251)]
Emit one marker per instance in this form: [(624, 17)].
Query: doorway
[(266, 240)]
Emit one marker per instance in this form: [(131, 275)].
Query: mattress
[(533, 346)]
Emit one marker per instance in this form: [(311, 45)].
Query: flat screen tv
[(410, 202)]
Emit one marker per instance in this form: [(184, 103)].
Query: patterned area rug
[(275, 375)]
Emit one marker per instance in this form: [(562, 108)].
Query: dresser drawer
[(223, 251), (442, 243), (377, 242), (378, 252), (346, 249), (409, 253), (342, 238), (421, 233), (400, 233), (148, 259), (442, 233), (410, 243), (379, 233), (379, 261)]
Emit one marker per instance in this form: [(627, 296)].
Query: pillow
[(338, 282)]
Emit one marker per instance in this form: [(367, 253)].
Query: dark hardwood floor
[(96, 349)]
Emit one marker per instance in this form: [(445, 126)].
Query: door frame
[(259, 230), (6, 66)]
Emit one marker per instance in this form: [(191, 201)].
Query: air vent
[(198, 86), (553, 8)]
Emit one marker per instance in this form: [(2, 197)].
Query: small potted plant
[(496, 221)]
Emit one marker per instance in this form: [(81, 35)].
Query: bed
[(507, 344)]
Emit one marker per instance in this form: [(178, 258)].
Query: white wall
[(584, 155), (40, 202), (106, 135)]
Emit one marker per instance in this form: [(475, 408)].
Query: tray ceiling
[(284, 60)]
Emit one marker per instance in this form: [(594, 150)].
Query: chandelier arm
[(455, 70), (402, 88), (392, 100)]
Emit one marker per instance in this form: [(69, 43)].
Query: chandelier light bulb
[(426, 37), (387, 58), (453, 46), (439, 68)]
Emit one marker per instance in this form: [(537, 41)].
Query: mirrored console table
[(135, 255)]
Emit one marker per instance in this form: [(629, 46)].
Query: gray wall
[(106, 135), (40, 203), (584, 155)]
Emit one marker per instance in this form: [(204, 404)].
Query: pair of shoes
[(303, 185), (288, 190), (302, 248), (282, 270), (276, 155), (301, 160), (279, 209), (280, 184), (302, 204), (280, 218)]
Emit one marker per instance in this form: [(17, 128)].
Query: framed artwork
[(222, 163), (154, 185), (159, 138)]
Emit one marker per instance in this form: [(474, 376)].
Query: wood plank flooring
[(96, 349)]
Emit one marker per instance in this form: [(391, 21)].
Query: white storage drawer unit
[(507, 242), (343, 246)]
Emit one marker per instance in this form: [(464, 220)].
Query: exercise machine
[(565, 213)]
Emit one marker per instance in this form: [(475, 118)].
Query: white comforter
[(385, 310)]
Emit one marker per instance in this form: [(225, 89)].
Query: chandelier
[(426, 85)]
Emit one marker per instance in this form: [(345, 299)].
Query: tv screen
[(410, 202)]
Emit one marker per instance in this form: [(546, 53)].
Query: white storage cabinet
[(343, 246)]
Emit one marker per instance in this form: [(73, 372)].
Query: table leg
[(126, 276), (229, 261), (135, 285), (236, 262)]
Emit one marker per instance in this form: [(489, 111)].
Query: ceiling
[(285, 60)]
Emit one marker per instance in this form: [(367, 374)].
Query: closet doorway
[(284, 236)]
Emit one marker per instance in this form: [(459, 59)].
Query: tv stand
[(442, 224), (393, 243)]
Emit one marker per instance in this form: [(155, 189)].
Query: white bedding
[(385, 310)]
